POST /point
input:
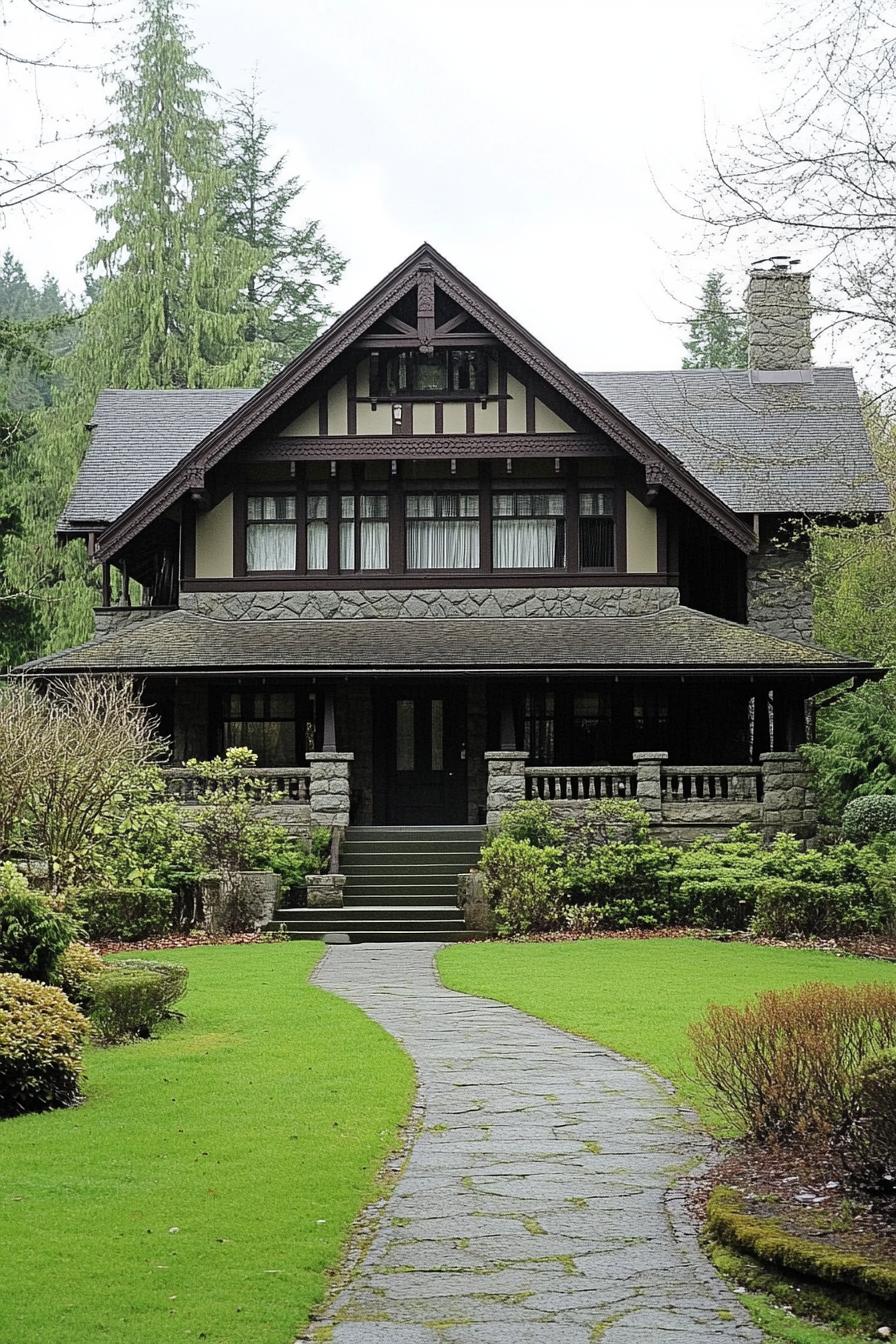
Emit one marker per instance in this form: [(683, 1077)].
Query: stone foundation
[(391, 603)]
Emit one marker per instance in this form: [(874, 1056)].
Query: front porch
[(696, 754)]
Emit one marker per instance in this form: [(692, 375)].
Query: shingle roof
[(761, 448), (138, 437), (676, 638), (758, 448)]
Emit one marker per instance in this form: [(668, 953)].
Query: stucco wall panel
[(214, 541)]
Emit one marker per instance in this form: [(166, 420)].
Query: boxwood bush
[(78, 968), (33, 935), (864, 818), (41, 1039), (128, 914), (130, 998)]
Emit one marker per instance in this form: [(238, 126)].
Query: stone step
[(355, 935), (436, 900)]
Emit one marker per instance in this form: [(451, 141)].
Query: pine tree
[(285, 300), (35, 327), (166, 283), (718, 332), (168, 311)]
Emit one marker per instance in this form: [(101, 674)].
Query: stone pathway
[(533, 1206)]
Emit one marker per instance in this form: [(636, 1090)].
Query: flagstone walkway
[(533, 1206)]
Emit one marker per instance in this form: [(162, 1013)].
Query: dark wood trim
[(188, 542), (530, 409), (485, 518), (323, 414), (439, 417), (573, 550), (322, 355), (449, 578), (239, 532), (312, 447), (386, 341), (621, 508), (471, 417), (502, 394), (351, 391)]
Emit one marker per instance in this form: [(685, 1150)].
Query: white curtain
[(374, 545), (270, 546), (270, 533), (443, 543), (523, 543), (317, 532)]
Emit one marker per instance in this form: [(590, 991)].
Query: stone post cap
[(782, 756), (650, 756), (506, 756), (329, 756)]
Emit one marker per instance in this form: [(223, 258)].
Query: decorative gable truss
[(425, 366)]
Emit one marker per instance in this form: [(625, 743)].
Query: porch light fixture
[(394, 466), (509, 466), (396, 412), (332, 466), (454, 466)]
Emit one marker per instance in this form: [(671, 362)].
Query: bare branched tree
[(819, 171), (37, 44), (68, 760)]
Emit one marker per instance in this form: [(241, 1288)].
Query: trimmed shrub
[(532, 821), (33, 936), (620, 886), (786, 906), (864, 818), (126, 913), (41, 1039), (784, 1065), (521, 884), (131, 998), (79, 966), (870, 1138)]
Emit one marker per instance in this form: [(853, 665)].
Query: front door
[(420, 767)]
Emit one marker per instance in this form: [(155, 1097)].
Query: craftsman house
[(431, 551)]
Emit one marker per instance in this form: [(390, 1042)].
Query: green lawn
[(206, 1185), (639, 995)]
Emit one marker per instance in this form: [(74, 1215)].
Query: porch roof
[(677, 640)]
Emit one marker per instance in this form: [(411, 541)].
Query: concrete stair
[(401, 886)]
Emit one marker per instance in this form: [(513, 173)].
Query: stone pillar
[(330, 790), (788, 802), (325, 890), (650, 783), (506, 783)]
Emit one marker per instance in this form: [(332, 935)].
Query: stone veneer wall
[(779, 594), (388, 603)]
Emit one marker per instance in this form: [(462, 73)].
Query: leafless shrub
[(68, 757), (784, 1065)]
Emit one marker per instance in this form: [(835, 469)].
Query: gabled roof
[(676, 639), (664, 469), (762, 448)]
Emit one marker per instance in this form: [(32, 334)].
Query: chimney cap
[(780, 263)]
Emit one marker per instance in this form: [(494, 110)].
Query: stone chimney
[(778, 311)]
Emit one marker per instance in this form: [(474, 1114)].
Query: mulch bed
[(880, 947), (807, 1194), (179, 940)]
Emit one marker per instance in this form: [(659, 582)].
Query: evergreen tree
[(718, 332), (35, 326), (166, 282), (285, 300), (168, 311)]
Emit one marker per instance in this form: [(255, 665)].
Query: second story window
[(409, 373), (270, 533), (597, 530), (442, 531), (528, 530), (317, 532), (364, 532)]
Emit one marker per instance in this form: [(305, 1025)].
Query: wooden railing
[(711, 783), (581, 782), (291, 783)]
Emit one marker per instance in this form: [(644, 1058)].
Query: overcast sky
[(522, 139)]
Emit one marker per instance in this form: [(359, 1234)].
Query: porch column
[(506, 783), (788, 801), (329, 788), (649, 765)]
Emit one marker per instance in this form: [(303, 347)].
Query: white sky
[(519, 138)]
